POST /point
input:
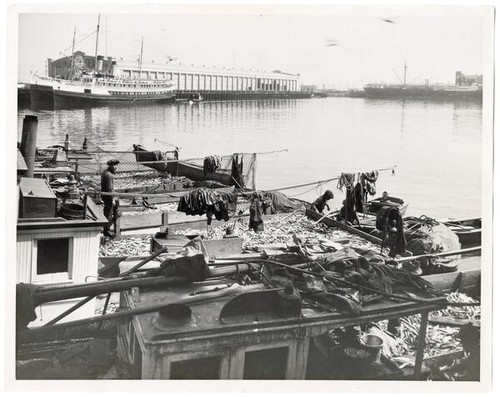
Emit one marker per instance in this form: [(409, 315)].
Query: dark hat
[(113, 161), (328, 194)]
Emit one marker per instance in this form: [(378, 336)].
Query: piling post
[(164, 222), (28, 142), (424, 318)]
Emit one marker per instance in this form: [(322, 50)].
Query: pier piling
[(28, 142)]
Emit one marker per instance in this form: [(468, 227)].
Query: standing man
[(320, 203), (107, 185)]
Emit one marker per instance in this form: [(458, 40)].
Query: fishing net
[(128, 163), (236, 170), (428, 236)]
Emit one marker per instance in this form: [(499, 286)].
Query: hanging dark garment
[(237, 178), (258, 208), (360, 197), (349, 213), (211, 164), (201, 201)]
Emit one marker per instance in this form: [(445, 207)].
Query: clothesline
[(321, 182), (181, 160)]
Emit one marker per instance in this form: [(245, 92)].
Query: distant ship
[(465, 88), (97, 87)]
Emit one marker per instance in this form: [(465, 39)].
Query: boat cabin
[(252, 335), (57, 244)]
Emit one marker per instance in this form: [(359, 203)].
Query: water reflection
[(435, 144)]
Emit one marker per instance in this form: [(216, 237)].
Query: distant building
[(309, 88), (187, 78), (464, 80)]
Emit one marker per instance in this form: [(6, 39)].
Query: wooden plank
[(447, 282), (224, 247), (143, 221), (96, 210), (334, 223), (451, 322)]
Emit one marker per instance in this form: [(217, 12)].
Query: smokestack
[(100, 64), (28, 142)]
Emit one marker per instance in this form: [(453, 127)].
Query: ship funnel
[(100, 64), (112, 68)]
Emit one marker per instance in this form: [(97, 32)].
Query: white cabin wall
[(85, 258)]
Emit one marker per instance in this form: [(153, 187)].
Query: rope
[(322, 181), (310, 190), (166, 143)]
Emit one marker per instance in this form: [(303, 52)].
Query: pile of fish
[(127, 246), (439, 339), (168, 207), (129, 180), (291, 230)]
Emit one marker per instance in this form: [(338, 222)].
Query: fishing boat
[(226, 175), (189, 98), (467, 230), (374, 206), (195, 98)]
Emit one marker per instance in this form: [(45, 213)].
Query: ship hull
[(64, 98), (41, 96), (422, 94)]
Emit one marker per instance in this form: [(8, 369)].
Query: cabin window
[(266, 364), (199, 368), (53, 259), (87, 90)]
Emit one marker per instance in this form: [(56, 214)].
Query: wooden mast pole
[(72, 56), (97, 43)]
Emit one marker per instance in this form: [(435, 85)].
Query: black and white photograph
[(249, 192)]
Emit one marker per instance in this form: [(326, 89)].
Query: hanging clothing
[(258, 208), (211, 164), (360, 197), (346, 180), (237, 177), (348, 210), (211, 203)]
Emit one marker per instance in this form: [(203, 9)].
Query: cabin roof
[(205, 321)]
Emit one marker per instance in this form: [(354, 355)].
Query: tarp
[(428, 236)]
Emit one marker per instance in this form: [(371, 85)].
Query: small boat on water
[(190, 98), (235, 170), (368, 218), (375, 205), (467, 230)]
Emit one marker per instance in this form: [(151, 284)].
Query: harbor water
[(435, 145)]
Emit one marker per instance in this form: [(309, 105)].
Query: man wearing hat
[(320, 203), (108, 186)]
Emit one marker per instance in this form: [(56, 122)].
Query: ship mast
[(97, 43), (140, 58), (404, 77), (72, 56)]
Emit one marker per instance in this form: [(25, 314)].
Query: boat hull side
[(68, 98)]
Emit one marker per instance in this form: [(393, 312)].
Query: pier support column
[(28, 142)]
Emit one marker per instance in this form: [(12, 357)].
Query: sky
[(372, 43)]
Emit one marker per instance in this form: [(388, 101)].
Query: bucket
[(71, 211), (373, 344)]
